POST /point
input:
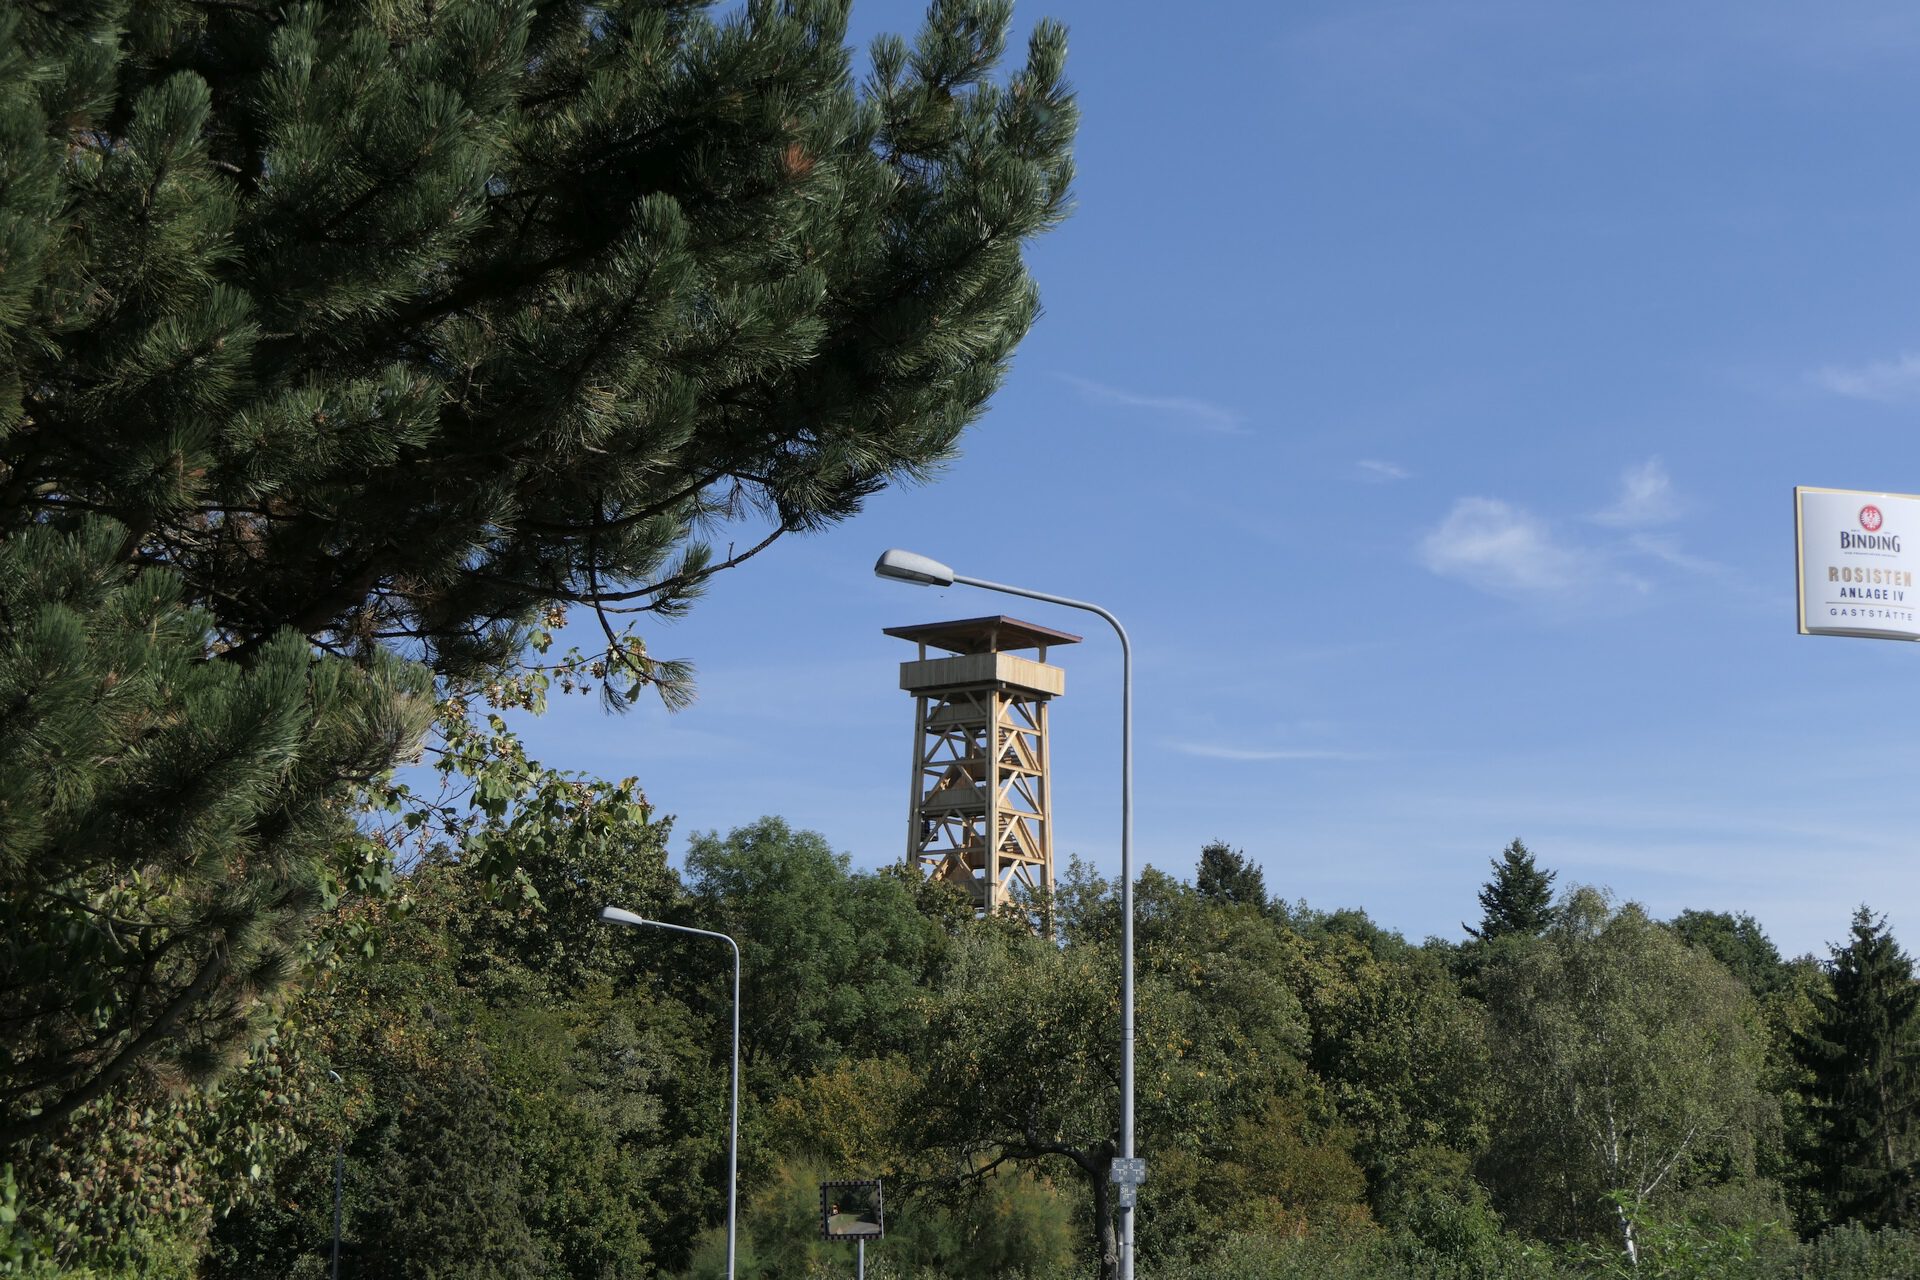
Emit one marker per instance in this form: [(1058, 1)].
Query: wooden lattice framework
[(982, 813)]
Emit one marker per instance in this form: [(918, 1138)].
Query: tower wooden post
[(982, 807)]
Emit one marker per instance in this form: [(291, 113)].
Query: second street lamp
[(618, 915), (906, 566)]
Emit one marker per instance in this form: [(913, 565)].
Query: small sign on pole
[(1127, 1173), (1859, 556)]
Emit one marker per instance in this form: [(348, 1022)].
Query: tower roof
[(996, 633)]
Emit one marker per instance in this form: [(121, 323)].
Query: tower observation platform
[(982, 815)]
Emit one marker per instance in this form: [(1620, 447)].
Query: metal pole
[(339, 1171), (860, 1260), (1126, 882), (733, 1127), (733, 1131)]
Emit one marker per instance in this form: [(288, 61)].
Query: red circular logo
[(1870, 518)]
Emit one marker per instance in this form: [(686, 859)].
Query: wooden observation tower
[(982, 809)]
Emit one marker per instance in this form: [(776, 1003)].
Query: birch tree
[(1629, 1073)]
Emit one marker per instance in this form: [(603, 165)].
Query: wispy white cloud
[(1885, 381), (1186, 411), (1382, 472), (1668, 551), (1646, 498), (1502, 549), (1219, 751)]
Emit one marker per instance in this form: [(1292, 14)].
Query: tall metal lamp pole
[(339, 1175), (1129, 1172), (618, 915)]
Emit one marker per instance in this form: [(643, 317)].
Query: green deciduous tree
[(1862, 1056), (1029, 1070), (1736, 941), (1629, 1070), (1518, 901), (831, 962), (1402, 1052), (1023, 1049)]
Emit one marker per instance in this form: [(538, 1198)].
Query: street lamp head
[(905, 566), (619, 915)]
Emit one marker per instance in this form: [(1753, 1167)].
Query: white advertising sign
[(1859, 558)]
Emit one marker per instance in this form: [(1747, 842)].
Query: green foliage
[(1364, 1257), (1689, 1249), (1629, 1065), (1027, 1036), (454, 1195), (544, 849), (1433, 1197), (1790, 1012), (832, 962), (399, 322), (1518, 901), (1854, 1252), (779, 1230), (1226, 874), (1736, 941), (170, 825), (498, 992), (1014, 1224), (1286, 1170), (1682, 1251), (1027, 1069), (1862, 1057), (1402, 1053), (337, 334), (132, 1183), (1005, 1226)]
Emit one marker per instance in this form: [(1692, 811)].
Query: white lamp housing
[(905, 566)]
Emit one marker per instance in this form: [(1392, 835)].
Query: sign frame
[(1898, 600)]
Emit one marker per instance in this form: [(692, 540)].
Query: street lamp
[(905, 566), (617, 915)]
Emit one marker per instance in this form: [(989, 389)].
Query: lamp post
[(339, 1173), (617, 915), (905, 566)]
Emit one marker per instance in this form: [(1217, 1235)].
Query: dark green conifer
[(1226, 874), (348, 329), (1518, 901), (1862, 1056), (167, 823), (394, 322)]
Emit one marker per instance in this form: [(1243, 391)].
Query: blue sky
[(1424, 385)]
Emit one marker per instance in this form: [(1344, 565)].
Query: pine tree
[(344, 330), (397, 322), (1862, 1056), (1226, 874), (1518, 901), (167, 824)]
